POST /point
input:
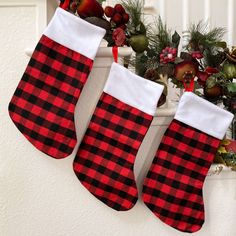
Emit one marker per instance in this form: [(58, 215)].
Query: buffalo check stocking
[(105, 159), (43, 104), (172, 189)]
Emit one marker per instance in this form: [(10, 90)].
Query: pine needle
[(200, 32), (135, 10), (159, 36), (202, 37)]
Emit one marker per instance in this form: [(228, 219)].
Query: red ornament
[(109, 11), (117, 18), (119, 8), (125, 18), (119, 37), (185, 71)]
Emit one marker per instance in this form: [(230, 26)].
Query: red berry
[(119, 8), (174, 50), (117, 18), (125, 18), (109, 11)]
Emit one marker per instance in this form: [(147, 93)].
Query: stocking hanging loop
[(188, 86), (115, 53)]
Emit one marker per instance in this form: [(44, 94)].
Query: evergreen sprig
[(135, 10), (159, 36), (200, 33), (209, 42)]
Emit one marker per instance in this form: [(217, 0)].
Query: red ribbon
[(189, 87), (115, 53), (65, 5)]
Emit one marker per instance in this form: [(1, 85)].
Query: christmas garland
[(205, 64)]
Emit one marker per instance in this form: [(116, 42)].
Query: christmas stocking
[(105, 159), (173, 187), (43, 104)]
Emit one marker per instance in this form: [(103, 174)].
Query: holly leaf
[(175, 39), (140, 29), (221, 45)]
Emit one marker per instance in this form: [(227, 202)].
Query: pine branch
[(207, 41), (135, 10), (200, 34), (159, 36)]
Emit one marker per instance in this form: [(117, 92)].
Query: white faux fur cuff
[(133, 89), (74, 33), (203, 115)]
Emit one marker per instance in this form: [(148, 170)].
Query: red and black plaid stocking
[(105, 159), (173, 187), (43, 104)]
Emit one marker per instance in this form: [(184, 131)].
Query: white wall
[(179, 13), (42, 196)]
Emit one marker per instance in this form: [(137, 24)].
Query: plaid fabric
[(43, 104), (173, 187), (104, 162)]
